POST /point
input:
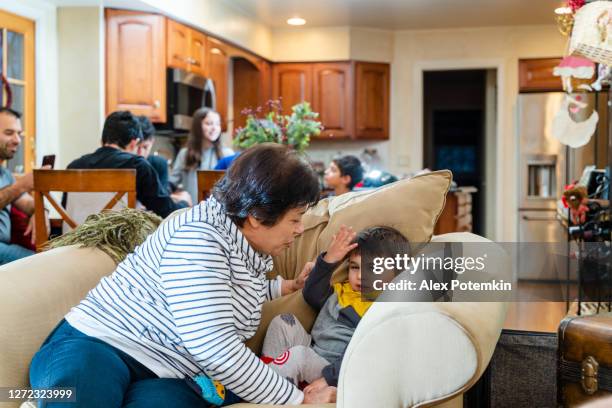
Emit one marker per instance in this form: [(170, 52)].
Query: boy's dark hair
[(146, 127), (11, 112), (350, 166), (380, 242), (266, 181), (121, 128)]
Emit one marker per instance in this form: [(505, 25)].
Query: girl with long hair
[(202, 152)]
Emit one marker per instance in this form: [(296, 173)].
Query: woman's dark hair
[(350, 166), (120, 128), (384, 242), (196, 140), (266, 181)]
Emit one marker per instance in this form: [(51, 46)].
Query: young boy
[(315, 358), (343, 174)]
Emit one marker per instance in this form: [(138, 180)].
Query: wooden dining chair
[(121, 182), (206, 181)]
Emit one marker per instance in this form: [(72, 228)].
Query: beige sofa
[(402, 354)]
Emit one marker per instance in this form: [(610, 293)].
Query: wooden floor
[(534, 315)]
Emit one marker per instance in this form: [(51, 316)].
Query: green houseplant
[(294, 130)]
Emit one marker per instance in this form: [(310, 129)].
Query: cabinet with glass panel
[(17, 92)]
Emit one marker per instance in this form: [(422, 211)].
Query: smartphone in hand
[(49, 160)]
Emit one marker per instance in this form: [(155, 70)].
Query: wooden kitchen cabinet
[(178, 45), (536, 75), (371, 100), (265, 81), (292, 82), (198, 44), (186, 48), (457, 213), (136, 63), (332, 98), (352, 98), (218, 72)]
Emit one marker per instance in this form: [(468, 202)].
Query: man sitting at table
[(120, 138), (13, 191)]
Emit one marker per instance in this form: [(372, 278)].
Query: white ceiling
[(401, 14)]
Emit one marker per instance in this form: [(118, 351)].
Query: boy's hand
[(340, 245)]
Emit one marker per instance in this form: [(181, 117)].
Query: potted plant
[(294, 130)]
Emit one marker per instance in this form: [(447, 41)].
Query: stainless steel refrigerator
[(545, 167)]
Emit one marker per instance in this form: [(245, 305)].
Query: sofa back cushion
[(411, 206)]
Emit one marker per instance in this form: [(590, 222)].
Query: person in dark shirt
[(120, 138), (159, 163)]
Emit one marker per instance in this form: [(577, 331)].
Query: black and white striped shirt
[(184, 303)]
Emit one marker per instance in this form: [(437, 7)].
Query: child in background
[(343, 174), (316, 358)]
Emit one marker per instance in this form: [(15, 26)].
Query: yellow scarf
[(348, 297)]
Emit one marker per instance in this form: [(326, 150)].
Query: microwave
[(186, 93)]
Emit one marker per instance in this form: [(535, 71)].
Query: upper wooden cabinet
[(536, 75), (332, 98), (352, 98), (186, 48), (265, 81), (136, 63), (371, 100), (177, 50), (198, 44), (218, 72), (292, 83)]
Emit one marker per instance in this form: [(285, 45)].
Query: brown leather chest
[(584, 359)]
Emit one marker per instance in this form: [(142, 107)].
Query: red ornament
[(575, 4)]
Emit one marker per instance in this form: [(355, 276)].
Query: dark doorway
[(454, 130)]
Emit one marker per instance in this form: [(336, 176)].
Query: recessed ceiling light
[(296, 21)]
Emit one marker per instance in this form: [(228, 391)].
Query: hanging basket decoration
[(592, 33)]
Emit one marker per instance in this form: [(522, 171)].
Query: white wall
[(81, 80), (370, 44), (311, 44), (46, 71)]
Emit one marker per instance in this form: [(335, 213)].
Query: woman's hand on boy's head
[(340, 245)]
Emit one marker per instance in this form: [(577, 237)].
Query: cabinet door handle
[(156, 104), (527, 218)]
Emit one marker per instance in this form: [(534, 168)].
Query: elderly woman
[(186, 300)]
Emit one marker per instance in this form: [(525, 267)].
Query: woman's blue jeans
[(103, 376)]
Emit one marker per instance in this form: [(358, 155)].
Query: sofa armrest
[(417, 353), (35, 294)]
